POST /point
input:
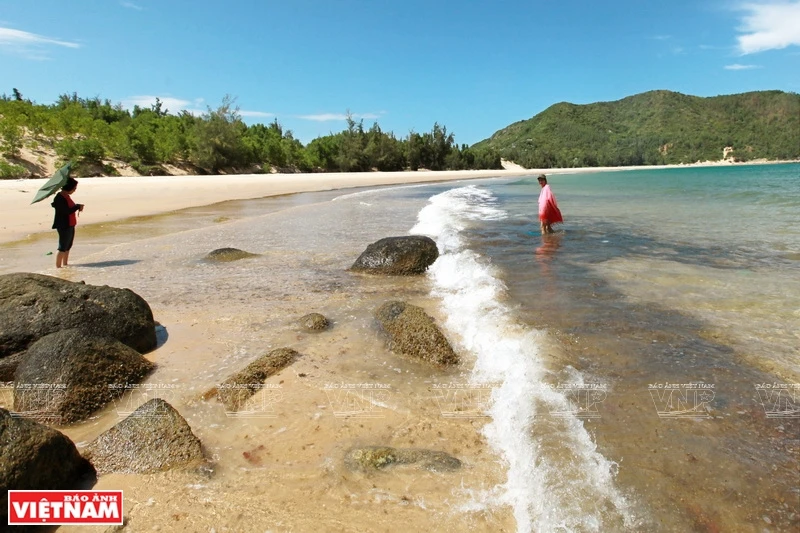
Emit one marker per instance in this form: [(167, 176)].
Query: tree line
[(91, 131)]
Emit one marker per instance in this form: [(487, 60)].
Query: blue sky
[(474, 66)]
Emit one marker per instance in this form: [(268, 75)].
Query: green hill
[(654, 128)]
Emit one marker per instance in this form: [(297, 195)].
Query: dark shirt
[(65, 211)]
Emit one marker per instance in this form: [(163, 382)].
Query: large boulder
[(413, 333), (36, 457), (9, 364), (154, 438), (237, 389), (380, 457), (66, 376), (398, 256), (34, 305)]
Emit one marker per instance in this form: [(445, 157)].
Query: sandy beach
[(114, 198), (283, 470)]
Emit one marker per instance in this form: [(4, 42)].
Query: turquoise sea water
[(720, 244), (747, 210)]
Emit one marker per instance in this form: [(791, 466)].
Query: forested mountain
[(99, 136), (654, 128)]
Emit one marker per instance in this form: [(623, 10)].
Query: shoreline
[(110, 199), (289, 466)]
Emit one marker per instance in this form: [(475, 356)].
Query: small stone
[(225, 255), (314, 322)]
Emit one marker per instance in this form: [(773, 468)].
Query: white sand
[(108, 199)]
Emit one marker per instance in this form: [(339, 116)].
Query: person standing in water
[(549, 213), (65, 220)]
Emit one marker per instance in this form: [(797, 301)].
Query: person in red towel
[(549, 213), (65, 220)]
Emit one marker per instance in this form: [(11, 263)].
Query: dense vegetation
[(92, 132), (653, 128)]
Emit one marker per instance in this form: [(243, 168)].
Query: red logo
[(35, 507)]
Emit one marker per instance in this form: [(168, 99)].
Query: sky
[(473, 66)]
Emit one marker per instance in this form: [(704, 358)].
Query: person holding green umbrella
[(66, 209), (65, 220)]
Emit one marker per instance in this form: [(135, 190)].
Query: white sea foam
[(371, 192), (556, 480)]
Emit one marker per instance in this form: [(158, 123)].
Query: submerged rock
[(154, 438), (314, 322), (412, 332), (372, 458), (36, 457), (83, 374), (237, 389), (33, 306), (224, 255), (398, 256)]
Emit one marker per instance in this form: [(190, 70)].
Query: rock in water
[(398, 256), (154, 438), (380, 457), (237, 389), (314, 322), (412, 332), (36, 457), (34, 305), (224, 255), (83, 373)]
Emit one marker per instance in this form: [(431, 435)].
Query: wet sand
[(282, 468)]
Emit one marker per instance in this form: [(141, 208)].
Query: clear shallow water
[(718, 244), (686, 277), (669, 276)]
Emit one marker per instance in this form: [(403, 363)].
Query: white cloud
[(737, 66), (324, 117), (130, 5), (176, 105), (769, 26), (327, 117), (256, 114), (168, 103), (30, 45)]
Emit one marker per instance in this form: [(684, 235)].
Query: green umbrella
[(55, 183)]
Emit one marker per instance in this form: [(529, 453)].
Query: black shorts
[(65, 238)]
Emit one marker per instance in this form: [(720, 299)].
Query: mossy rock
[(36, 457), (33, 306), (413, 333), (226, 255), (372, 458), (398, 256), (314, 322), (91, 372), (154, 438), (237, 389)]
